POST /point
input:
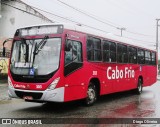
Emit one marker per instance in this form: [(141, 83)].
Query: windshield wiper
[(39, 46)]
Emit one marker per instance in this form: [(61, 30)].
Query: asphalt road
[(119, 105)]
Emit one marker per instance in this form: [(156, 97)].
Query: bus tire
[(91, 95), (139, 87)]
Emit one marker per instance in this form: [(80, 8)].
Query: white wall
[(0, 8), (12, 18)]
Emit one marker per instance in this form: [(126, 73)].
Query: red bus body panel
[(76, 83)]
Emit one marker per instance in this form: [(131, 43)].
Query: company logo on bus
[(127, 72), (19, 86)]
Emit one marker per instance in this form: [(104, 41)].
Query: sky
[(138, 17)]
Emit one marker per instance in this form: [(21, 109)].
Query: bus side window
[(122, 56), (68, 52), (147, 57), (150, 58), (113, 52), (73, 52), (153, 58), (132, 55), (109, 51), (90, 53), (119, 53), (94, 49), (97, 49), (106, 53), (125, 55), (140, 54), (77, 53)]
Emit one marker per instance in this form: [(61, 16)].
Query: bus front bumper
[(56, 95)]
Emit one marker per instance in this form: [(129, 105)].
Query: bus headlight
[(10, 83), (54, 83)]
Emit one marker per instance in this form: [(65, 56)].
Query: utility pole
[(0, 9), (121, 29), (157, 45)]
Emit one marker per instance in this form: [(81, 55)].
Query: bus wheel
[(91, 95), (139, 86)]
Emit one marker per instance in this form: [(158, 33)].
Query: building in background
[(15, 14), (0, 9)]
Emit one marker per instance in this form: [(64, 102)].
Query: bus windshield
[(36, 56)]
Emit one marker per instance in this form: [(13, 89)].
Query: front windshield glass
[(36, 56)]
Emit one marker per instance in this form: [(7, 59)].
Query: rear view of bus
[(35, 64)]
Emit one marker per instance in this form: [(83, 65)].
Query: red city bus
[(62, 62)]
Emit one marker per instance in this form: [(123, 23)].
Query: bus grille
[(36, 95)]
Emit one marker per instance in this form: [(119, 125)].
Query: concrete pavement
[(3, 88), (158, 77)]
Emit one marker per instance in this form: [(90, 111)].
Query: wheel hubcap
[(140, 88), (91, 95)]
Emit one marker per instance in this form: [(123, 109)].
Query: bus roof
[(91, 31)]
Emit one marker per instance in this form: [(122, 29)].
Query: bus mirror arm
[(4, 51), (4, 48)]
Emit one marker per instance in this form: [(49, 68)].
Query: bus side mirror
[(4, 51)]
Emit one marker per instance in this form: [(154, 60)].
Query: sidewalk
[(3, 82), (4, 92), (3, 79), (3, 88)]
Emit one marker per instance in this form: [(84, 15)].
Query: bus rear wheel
[(139, 86), (91, 95)]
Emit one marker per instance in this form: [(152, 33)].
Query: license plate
[(28, 98)]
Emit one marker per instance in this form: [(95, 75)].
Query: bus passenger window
[(112, 52), (73, 52), (153, 58), (147, 57), (122, 56), (68, 52), (94, 49), (141, 59), (106, 53), (132, 55), (109, 51), (90, 53)]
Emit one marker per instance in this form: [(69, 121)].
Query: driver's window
[(73, 52)]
